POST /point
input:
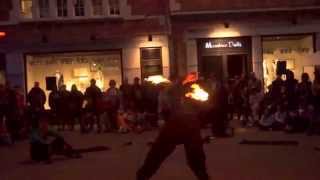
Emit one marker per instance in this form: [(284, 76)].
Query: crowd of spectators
[(286, 105)]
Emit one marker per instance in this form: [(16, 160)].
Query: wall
[(131, 55), (220, 5)]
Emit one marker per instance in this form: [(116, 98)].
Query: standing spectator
[(63, 107), (305, 90), (126, 95), (113, 99), (54, 98), (220, 115), (291, 85), (276, 88), (316, 90), (92, 96), (255, 97), (13, 114), (3, 103), (76, 101), (36, 97), (137, 96)]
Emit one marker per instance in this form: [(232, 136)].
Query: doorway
[(212, 65), (236, 65)]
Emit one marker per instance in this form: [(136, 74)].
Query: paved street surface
[(226, 159)]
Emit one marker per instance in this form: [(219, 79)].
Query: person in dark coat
[(36, 97), (76, 101), (291, 87), (54, 98), (304, 90), (220, 115), (13, 120), (137, 96), (92, 96), (63, 107), (125, 95), (183, 128)]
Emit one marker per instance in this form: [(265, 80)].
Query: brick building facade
[(144, 37)]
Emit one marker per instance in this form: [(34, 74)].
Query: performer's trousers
[(163, 147)]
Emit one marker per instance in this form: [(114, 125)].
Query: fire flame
[(157, 79), (197, 93)]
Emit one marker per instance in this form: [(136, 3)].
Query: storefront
[(74, 68), (224, 57), (292, 52)]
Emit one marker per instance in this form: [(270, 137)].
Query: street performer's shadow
[(58, 158)]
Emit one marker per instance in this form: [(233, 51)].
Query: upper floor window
[(26, 8), (62, 8), (79, 8), (44, 8), (97, 7), (114, 7)]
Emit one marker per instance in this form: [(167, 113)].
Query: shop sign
[(227, 44)]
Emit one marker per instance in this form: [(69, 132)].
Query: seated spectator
[(267, 119), (42, 148), (122, 122), (280, 118)]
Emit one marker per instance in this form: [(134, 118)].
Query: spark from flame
[(197, 93), (157, 79)]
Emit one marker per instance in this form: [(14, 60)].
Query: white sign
[(228, 44)]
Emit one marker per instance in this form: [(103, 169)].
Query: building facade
[(73, 41), (234, 37), (76, 40)]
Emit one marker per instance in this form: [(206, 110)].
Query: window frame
[(44, 8), (23, 12), (95, 5), (62, 11), (114, 8), (79, 8)]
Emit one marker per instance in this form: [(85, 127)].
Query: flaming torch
[(157, 79), (197, 93)]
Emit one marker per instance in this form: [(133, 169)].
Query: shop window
[(292, 51), (62, 8), (79, 8), (114, 7), (151, 62), (74, 68), (26, 8), (97, 6), (44, 8)]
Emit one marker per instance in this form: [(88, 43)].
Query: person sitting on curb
[(42, 147)]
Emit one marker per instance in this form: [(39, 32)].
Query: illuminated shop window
[(114, 7), (44, 8), (292, 50), (74, 68), (97, 6), (79, 8), (62, 8), (26, 8)]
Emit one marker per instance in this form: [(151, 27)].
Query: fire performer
[(183, 127)]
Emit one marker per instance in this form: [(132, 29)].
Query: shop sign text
[(228, 44)]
